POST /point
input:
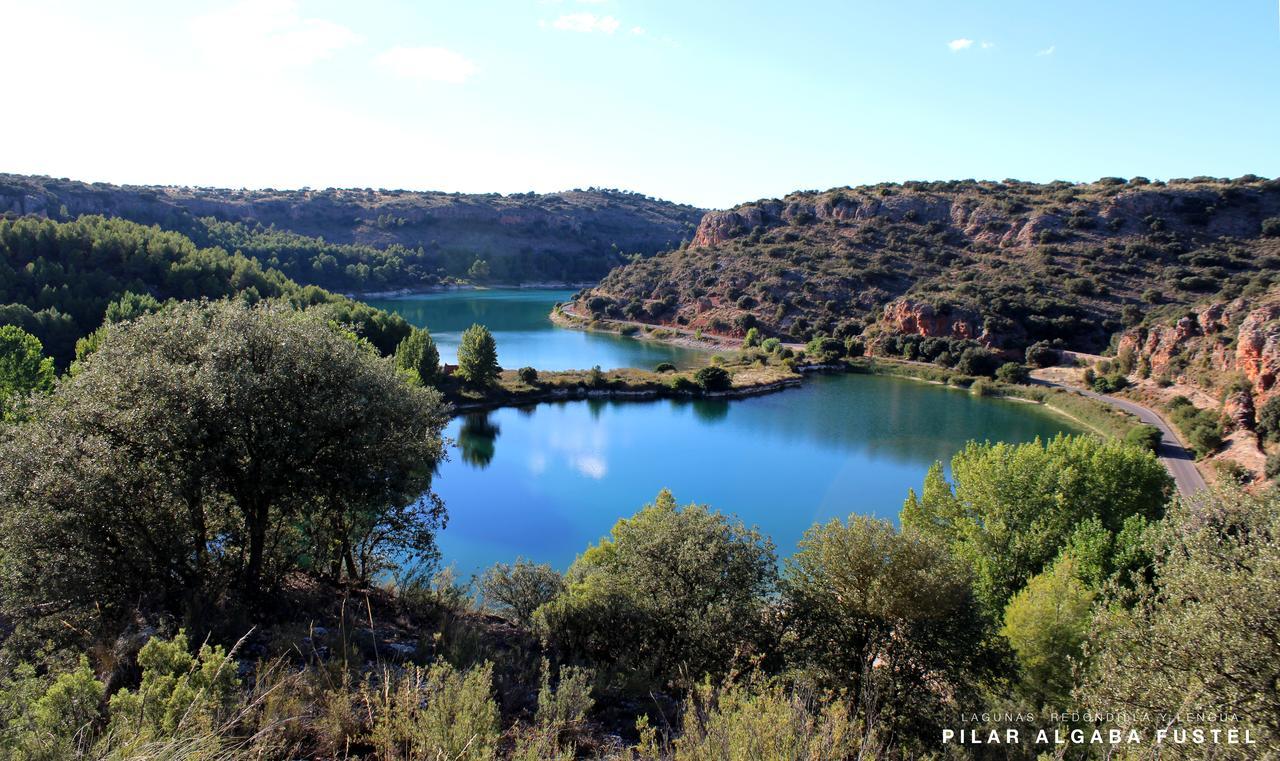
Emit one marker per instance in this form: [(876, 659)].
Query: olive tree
[(201, 453)]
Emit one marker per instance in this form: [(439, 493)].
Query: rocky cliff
[(1002, 263), (1229, 348)]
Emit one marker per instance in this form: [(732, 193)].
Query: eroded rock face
[(918, 318), (1238, 337)]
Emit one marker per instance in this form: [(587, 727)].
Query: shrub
[(976, 361), (770, 345), (1202, 429), (683, 385), (982, 387), (1271, 227), (436, 712), (665, 367), (1268, 420), (824, 349), (672, 592), (1041, 354), (1273, 465), (518, 590), (179, 694), (752, 338), (712, 378), (1013, 372), (527, 375), (595, 378), (1109, 384), (1046, 624), (1146, 437)]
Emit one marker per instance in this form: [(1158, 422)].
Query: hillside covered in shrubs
[(361, 239), (1007, 264)]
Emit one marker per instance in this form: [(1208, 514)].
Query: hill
[(368, 240), (57, 279), (1003, 263)]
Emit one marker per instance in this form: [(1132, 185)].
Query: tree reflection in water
[(476, 437)]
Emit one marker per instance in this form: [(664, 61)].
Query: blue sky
[(710, 102)]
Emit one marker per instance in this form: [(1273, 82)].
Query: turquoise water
[(524, 333), (545, 482)]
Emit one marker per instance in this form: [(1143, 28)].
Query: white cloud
[(987, 45), (637, 30), (591, 466), (1047, 51), (960, 44), (427, 63), (586, 23), (268, 34)]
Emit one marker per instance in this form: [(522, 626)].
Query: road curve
[(1172, 452)]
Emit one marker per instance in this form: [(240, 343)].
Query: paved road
[(1175, 456)]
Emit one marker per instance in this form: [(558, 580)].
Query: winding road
[(1175, 456)]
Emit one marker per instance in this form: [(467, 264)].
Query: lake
[(518, 319), (545, 482)]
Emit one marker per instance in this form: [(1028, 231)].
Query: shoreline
[(398, 293)]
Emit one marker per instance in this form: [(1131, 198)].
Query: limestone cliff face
[(1215, 344), (916, 318)]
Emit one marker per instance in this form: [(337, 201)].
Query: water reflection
[(476, 437)]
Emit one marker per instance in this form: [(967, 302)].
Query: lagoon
[(545, 482)]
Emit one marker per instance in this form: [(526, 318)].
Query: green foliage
[(712, 378), (1012, 372), (213, 447), (418, 356), (1272, 465), (1012, 507), (861, 592), (1046, 623), (437, 712), (683, 385), (1042, 354), (1199, 640), (665, 367), (479, 270), (823, 349), (1271, 227), (1146, 437), (764, 721), (49, 720), (478, 357), (59, 280), (771, 345), (1201, 429), (519, 589), (752, 339), (23, 370), (672, 593), (1268, 419), (527, 375), (179, 694)]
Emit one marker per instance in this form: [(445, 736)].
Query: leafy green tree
[(201, 453), (712, 378), (479, 270), (752, 338), (478, 357), (23, 369), (889, 617), (1011, 507), (1046, 623), (822, 349), (417, 354), (1201, 639), (672, 593)]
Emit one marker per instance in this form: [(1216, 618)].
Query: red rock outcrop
[(919, 318)]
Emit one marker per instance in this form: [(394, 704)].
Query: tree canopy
[(204, 451), (23, 368), (478, 357)]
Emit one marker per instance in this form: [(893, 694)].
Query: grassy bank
[(1100, 418)]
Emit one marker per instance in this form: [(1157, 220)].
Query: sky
[(708, 102)]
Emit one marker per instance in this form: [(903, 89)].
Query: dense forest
[(370, 240), (218, 542), (58, 278), (1008, 263)]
